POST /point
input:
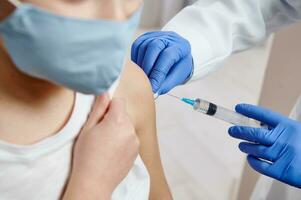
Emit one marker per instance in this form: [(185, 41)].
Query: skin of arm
[(136, 89), (141, 109)]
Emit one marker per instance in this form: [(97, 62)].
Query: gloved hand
[(166, 59), (274, 152)]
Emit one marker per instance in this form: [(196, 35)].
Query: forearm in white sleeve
[(218, 28)]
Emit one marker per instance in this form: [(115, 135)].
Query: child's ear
[(6, 8)]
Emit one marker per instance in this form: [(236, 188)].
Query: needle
[(171, 95)]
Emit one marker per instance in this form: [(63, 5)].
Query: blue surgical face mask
[(84, 55)]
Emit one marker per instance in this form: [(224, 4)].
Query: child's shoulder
[(136, 89)]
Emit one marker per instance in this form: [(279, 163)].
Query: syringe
[(219, 112)]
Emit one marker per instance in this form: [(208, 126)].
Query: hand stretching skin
[(104, 153)]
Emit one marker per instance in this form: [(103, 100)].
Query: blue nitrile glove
[(274, 152), (166, 59)]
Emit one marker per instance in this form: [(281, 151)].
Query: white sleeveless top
[(40, 171)]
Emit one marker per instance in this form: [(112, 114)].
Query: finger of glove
[(177, 76), (258, 151), (154, 49), (167, 59), (156, 35), (256, 135), (261, 114), (159, 34), (141, 39), (260, 166), (287, 165), (135, 47), (141, 52)]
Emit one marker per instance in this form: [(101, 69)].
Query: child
[(41, 115)]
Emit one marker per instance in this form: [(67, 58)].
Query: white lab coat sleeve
[(218, 28)]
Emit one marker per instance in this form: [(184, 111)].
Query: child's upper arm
[(135, 88)]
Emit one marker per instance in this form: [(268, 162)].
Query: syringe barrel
[(235, 118), (224, 114)]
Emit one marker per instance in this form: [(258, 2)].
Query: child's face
[(83, 55), (90, 9)]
